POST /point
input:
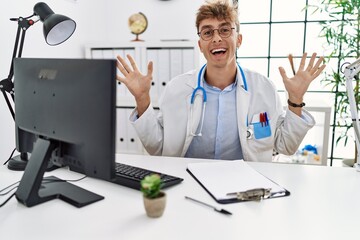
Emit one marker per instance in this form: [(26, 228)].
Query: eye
[(225, 30), (207, 32)]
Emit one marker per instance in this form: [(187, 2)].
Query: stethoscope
[(202, 89)]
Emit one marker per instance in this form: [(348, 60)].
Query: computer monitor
[(65, 112)]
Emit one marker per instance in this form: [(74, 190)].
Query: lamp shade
[(57, 28)]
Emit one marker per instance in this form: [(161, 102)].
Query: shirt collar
[(226, 89)]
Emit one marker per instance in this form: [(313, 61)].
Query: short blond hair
[(219, 9)]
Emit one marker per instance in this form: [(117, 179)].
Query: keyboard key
[(130, 176)]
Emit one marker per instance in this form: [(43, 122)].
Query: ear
[(239, 40), (199, 44)]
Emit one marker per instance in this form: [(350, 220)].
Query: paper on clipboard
[(221, 178)]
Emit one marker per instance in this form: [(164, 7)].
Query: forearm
[(142, 103), (149, 130), (291, 130)]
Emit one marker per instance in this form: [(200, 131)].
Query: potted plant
[(154, 198), (342, 40)]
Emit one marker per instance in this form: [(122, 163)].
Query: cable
[(12, 153), (2, 204), (342, 66), (62, 180), (76, 180), (8, 186), (6, 193)]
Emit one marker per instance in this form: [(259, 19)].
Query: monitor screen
[(66, 112)]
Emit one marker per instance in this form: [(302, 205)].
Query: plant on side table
[(154, 198)]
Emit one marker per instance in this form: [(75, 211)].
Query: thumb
[(283, 73)]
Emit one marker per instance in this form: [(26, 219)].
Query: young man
[(243, 117)]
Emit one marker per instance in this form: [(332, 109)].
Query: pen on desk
[(223, 211)]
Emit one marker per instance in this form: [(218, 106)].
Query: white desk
[(324, 204)]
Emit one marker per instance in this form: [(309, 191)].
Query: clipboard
[(234, 181)]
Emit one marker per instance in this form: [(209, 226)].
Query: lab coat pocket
[(261, 130), (261, 125)]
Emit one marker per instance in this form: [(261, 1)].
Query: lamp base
[(18, 163)]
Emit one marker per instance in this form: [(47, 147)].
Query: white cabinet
[(170, 58)]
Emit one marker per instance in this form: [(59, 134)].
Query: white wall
[(97, 21)]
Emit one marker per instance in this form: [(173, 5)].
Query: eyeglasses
[(207, 33)]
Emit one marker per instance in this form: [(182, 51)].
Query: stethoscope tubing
[(199, 87), (202, 89)]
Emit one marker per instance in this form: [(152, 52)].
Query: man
[(243, 117)]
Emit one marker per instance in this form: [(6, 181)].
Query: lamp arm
[(23, 25), (11, 72), (350, 73), (7, 85)]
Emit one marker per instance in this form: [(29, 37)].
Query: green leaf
[(151, 186)]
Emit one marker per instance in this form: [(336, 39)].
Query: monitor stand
[(34, 189)]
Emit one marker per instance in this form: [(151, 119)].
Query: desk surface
[(323, 205)]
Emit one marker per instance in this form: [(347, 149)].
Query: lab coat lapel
[(192, 122), (242, 108)]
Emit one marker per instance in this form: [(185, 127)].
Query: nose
[(216, 37)]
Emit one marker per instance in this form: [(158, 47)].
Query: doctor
[(220, 111)]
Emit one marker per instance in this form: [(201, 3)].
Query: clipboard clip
[(255, 194)]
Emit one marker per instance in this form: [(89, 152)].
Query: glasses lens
[(207, 33), (225, 31)]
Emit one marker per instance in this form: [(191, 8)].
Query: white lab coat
[(168, 132)]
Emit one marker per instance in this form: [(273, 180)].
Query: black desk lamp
[(57, 29)]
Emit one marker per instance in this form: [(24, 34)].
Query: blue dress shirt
[(220, 135)]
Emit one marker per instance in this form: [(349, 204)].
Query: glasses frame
[(213, 33)]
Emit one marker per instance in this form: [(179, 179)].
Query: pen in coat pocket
[(266, 119)]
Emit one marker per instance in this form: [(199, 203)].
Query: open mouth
[(218, 51)]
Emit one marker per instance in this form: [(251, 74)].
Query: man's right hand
[(138, 84)]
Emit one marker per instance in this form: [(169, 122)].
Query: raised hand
[(137, 83), (297, 85)]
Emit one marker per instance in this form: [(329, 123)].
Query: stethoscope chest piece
[(249, 133)]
